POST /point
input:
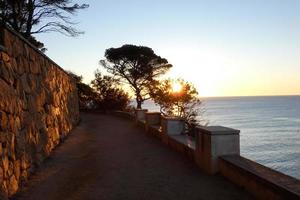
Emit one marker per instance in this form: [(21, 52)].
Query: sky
[(224, 47)]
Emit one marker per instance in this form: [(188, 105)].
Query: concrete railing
[(152, 119), (259, 180), (213, 142), (210, 143), (216, 150), (171, 126), (140, 114)]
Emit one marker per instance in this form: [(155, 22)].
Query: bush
[(109, 95), (86, 95), (178, 98)]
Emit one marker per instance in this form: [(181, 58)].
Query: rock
[(11, 123), (1, 174), (12, 186), (26, 65), (10, 171), (5, 163), (24, 82), (5, 73), (32, 82), (20, 65), (24, 175), (34, 68), (3, 121), (32, 103), (17, 169), (25, 163), (5, 57)]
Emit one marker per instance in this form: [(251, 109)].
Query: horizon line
[(288, 95), (280, 95)]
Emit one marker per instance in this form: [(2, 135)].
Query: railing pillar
[(152, 118), (140, 115), (171, 126), (213, 142)]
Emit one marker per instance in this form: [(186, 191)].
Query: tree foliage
[(184, 103), (110, 95), (29, 17), (86, 94), (137, 66)]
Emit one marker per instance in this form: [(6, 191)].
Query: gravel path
[(107, 157)]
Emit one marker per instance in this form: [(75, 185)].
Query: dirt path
[(107, 157)]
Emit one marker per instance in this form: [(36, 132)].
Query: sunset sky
[(224, 47)]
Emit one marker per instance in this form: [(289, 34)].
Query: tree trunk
[(138, 104), (30, 8), (15, 16), (139, 99)]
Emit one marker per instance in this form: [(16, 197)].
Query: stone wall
[(38, 108)]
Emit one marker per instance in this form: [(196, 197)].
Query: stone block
[(25, 84), (140, 114), (1, 174), (34, 67), (152, 118), (4, 73), (5, 57), (5, 164), (213, 142), (3, 121), (172, 125), (12, 185)]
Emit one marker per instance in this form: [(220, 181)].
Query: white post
[(140, 114), (171, 126), (213, 142), (152, 118)]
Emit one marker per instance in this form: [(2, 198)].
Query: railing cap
[(173, 118), (152, 113), (217, 130), (137, 110)]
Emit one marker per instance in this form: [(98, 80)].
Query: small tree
[(110, 95), (178, 98), (86, 94), (137, 66)]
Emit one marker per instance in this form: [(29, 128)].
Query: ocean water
[(270, 127)]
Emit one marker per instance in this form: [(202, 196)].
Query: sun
[(176, 87)]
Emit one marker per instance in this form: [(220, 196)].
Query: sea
[(269, 125)]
